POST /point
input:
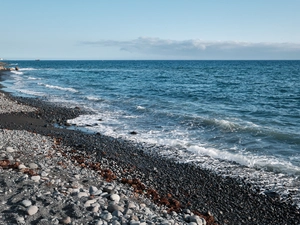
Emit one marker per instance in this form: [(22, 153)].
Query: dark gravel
[(229, 200)]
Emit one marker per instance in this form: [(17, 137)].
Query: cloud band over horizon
[(199, 49)]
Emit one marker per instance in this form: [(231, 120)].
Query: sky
[(150, 30)]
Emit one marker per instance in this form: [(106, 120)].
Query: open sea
[(238, 118)]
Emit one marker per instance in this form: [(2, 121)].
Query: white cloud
[(199, 49)]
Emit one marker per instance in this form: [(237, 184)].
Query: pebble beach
[(54, 175)]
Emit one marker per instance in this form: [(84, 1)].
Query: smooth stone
[(131, 205), (115, 197), (82, 194), (98, 192), (108, 188), (33, 166), (20, 219), (115, 222), (32, 210), (21, 166), (93, 189), (26, 203), (117, 213), (106, 216), (10, 149), (88, 203), (44, 174), (95, 208), (66, 220), (133, 222), (36, 178), (198, 220), (113, 207)]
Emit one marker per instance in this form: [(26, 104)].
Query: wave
[(140, 107), (26, 69), (94, 98), (268, 163), (33, 78), (28, 92), (59, 88), (17, 72)]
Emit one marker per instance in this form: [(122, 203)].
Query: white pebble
[(20, 219), (10, 149), (32, 210), (115, 197), (66, 220), (44, 174), (96, 208), (26, 203), (89, 202), (36, 178), (21, 166), (82, 194), (33, 166)]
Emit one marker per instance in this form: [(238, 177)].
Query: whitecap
[(59, 88), (25, 69), (17, 72), (140, 107), (34, 93)]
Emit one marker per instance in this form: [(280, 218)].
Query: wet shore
[(177, 186)]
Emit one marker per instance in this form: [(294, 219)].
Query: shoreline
[(228, 200)]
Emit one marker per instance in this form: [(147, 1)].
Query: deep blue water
[(242, 111)]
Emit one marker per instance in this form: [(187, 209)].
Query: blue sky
[(138, 29)]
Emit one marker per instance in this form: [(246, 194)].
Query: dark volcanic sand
[(230, 201)]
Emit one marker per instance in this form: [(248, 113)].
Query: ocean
[(238, 118)]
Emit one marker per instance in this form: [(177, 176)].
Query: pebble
[(33, 166), (113, 207), (88, 203), (66, 220), (10, 149), (20, 219), (197, 220), (44, 174), (36, 178), (106, 216), (82, 194), (115, 197), (95, 208), (32, 210), (26, 203), (93, 189), (21, 166)]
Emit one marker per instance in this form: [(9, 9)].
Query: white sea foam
[(58, 87), (140, 107), (34, 93), (249, 160), (93, 98), (26, 69), (17, 72), (33, 78)]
